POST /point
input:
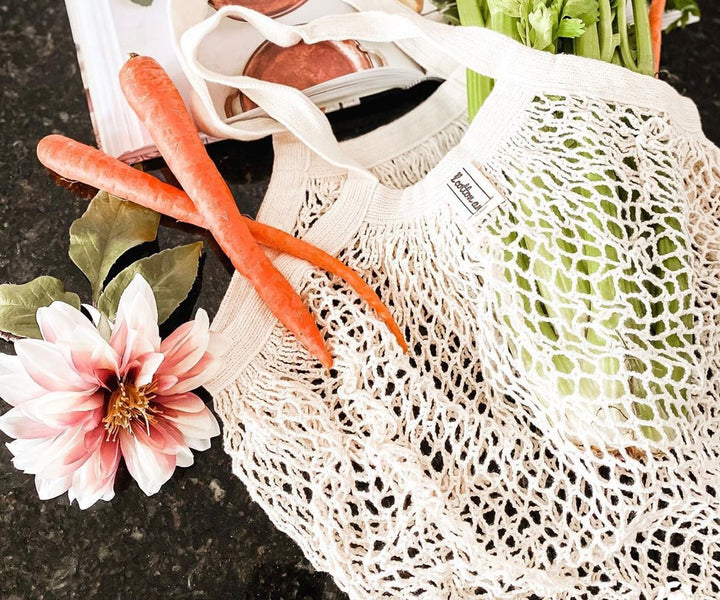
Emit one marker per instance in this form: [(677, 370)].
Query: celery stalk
[(628, 60), (478, 86), (483, 13), (605, 366), (607, 43), (643, 37), (588, 44)]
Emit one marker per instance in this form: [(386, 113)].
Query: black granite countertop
[(200, 537)]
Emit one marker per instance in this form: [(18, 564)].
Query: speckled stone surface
[(200, 537)]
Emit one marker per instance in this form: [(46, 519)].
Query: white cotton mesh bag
[(553, 430)]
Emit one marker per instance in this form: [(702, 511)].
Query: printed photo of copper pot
[(302, 66), (270, 8)]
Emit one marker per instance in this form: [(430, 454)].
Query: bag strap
[(480, 49), (436, 64)]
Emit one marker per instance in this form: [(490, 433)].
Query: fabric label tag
[(474, 192)]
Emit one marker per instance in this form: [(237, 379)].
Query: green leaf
[(587, 11), (449, 10), (512, 8), (170, 273), (687, 10), (542, 22), (689, 6), (19, 303), (108, 229), (571, 28), (142, 2)]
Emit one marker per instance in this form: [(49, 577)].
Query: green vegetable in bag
[(640, 348)]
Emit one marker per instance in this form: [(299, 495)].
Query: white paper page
[(107, 31), (228, 49)]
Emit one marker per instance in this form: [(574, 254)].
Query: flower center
[(128, 403)]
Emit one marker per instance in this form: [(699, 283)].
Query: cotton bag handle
[(480, 49)]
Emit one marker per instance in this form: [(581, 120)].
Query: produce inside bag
[(595, 303)]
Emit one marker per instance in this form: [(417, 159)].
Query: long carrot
[(79, 162), (657, 11), (159, 106)]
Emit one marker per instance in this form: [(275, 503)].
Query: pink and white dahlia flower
[(86, 395)]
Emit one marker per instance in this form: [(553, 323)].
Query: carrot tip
[(326, 361), (403, 344)]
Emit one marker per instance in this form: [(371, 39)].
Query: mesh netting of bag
[(552, 432)]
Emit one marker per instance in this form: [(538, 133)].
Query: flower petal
[(16, 424), (50, 458), (49, 367), (165, 382), (52, 488), (202, 424), (164, 436), (66, 409), (59, 322), (199, 444), (150, 468), (94, 358), (145, 369), (66, 327), (135, 332), (16, 386), (28, 453), (100, 321), (95, 479), (186, 345), (191, 352), (185, 458), (201, 373), (187, 402)]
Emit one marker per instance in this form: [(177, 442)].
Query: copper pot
[(302, 66), (271, 8)]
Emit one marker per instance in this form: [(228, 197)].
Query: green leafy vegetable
[(688, 9), (449, 10), (597, 29), (142, 2), (19, 303), (170, 273), (109, 228), (549, 25), (478, 86)]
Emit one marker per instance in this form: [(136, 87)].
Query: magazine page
[(107, 31), (329, 72)]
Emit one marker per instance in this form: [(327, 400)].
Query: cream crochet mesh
[(519, 450), (553, 430), (398, 172)]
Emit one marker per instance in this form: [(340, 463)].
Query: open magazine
[(333, 74)]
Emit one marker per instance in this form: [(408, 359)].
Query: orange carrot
[(159, 106), (284, 242), (657, 11), (79, 162)]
